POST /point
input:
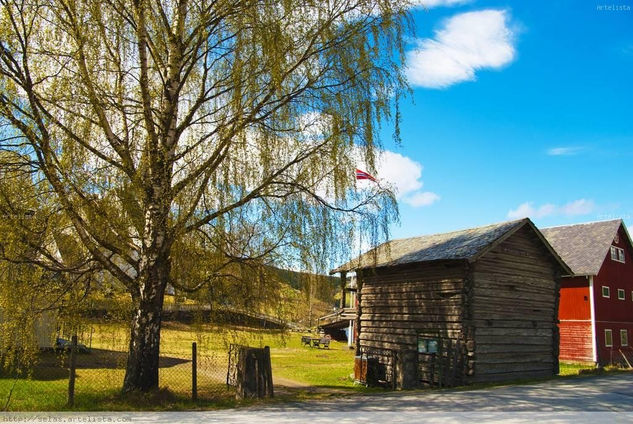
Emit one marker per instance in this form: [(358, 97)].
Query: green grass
[(100, 373), (571, 368), (318, 367)]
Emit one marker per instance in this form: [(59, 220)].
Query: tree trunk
[(142, 362)]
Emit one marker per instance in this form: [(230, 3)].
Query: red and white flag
[(362, 175)]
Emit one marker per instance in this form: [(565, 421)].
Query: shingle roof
[(465, 244), (583, 246)]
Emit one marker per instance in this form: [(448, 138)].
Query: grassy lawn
[(570, 368), (319, 367), (100, 372)]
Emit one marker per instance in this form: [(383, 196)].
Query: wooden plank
[(413, 310), (409, 324), (504, 301), (390, 338), (418, 298), (526, 282), (500, 266), (440, 282), (419, 291), (513, 357), (512, 340), (505, 376), (410, 338), (508, 293), (512, 323), (412, 317), (482, 348), (514, 332), (382, 302), (512, 367), (370, 343), (411, 328), (529, 314)]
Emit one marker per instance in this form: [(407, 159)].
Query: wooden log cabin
[(477, 305)]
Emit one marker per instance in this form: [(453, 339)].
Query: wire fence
[(91, 370)]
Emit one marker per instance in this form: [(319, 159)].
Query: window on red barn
[(617, 254), (608, 337)]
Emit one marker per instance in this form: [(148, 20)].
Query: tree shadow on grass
[(53, 365)]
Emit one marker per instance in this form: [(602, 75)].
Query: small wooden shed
[(470, 306)]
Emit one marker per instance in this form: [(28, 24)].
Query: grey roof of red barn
[(584, 246), (467, 245)]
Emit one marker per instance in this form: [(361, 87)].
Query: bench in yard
[(323, 342)]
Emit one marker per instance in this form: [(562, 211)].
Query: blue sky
[(518, 109)]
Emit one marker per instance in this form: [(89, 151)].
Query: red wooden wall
[(611, 312), (575, 320)]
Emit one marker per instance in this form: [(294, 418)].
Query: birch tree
[(230, 125)]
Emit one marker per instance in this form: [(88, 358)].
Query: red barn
[(596, 301)]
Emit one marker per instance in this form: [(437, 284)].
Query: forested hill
[(323, 287)]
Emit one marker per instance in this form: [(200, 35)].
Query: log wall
[(514, 310), (398, 303)]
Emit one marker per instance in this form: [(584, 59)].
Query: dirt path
[(286, 382)]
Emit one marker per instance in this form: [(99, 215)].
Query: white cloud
[(430, 4), (404, 175), (423, 198), (528, 210), (578, 207), (564, 151), (467, 43)]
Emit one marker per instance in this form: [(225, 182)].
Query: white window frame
[(617, 254), (624, 341), (606, 340), (608, 295), (621, 294)]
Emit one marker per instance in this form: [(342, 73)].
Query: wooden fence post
[(73, 366), (194, 371), (268, 372)]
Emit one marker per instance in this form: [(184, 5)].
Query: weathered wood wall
[(514, 310), (398, 303), (499, 312)]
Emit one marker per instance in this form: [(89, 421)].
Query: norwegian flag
[(362, 175)]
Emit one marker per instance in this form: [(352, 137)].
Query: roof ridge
[(582, 223), (456, 245), (461, 230)]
